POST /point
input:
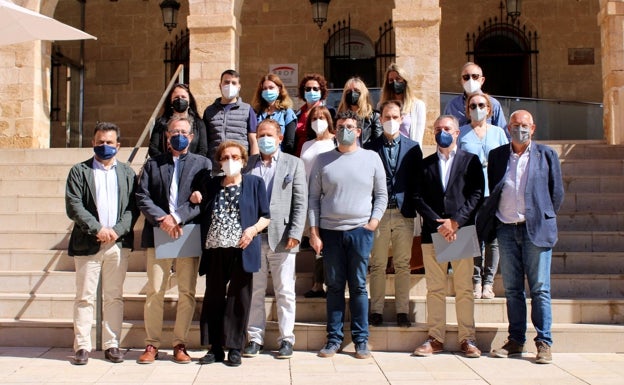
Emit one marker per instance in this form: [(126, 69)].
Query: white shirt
[(445, 165), (106, 193), (266, 171), (311, 149), (511, 207), (173, 190)]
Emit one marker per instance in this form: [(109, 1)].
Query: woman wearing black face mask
[(179, 102), (355, 97), (396, 87)]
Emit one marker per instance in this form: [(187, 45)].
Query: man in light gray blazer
[(285, 178)]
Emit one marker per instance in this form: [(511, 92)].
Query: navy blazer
[(253, 204), (543, 196), (153, 190), (409, 170), (461, 199)]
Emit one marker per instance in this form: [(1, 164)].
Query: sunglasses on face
[(308, 89), (481, 106), (467, 77)]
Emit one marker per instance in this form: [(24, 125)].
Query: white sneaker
[(488, 292), (476, 291)]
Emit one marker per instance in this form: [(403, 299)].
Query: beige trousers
[(158, 275)]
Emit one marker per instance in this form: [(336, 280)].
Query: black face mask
[(180, 105), (399, 87), (352, 98)]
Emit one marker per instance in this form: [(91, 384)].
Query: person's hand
[(372, 224), (106, 235), (247, 236), (448, 229), (316, 243), (292, 242), (169, 225), (196, 197)]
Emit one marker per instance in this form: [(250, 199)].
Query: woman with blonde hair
[(271, 100), (355, 97), (397, 87)]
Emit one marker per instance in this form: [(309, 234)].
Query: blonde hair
[(387, 90), (365, 109)]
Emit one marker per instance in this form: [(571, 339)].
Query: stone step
[(587, 150), (588, 262), (593, 183), (18, 204), (68, 156), (35, 221), (590, 241), (569, 338), (32, 184), (33, 239), (592, 202), (591, 221), (53, 260), (574, 167)]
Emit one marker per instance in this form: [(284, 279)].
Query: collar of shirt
[(99, 166), (274, 158), (443, 157), (526, 150), (391, 142)]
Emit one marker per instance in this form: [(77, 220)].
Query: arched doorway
[(507, 53), (177, 52)]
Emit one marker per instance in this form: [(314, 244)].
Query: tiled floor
[(52, 366)]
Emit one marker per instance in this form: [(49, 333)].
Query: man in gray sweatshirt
[(347, 198)]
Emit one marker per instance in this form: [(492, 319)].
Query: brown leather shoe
[(429, 347), (149, 355), (470, 349), (180, 355)]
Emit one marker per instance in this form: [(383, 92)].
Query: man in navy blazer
[(163, 198), (402, 160), (448, 196), (528, 193)]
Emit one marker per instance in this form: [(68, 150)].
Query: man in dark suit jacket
[(447, 196), (163, 198), (528, 193), (402, 160)]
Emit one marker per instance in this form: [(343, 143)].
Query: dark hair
[(390, 102), (192, 103), (320, 80), (180, 119), (232, 73), (107, 126), (310, 134), (348, 114)]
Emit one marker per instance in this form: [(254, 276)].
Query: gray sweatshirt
[(346, 190)]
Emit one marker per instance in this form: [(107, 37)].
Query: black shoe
[(212, 356), (315, 294), (375, 319), (81, 357), (403, 321), (234, 357), (285, 350), (252, 349), (114, 355)]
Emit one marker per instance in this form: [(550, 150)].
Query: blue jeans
[(485, 267), (520, 257), (345, 257)]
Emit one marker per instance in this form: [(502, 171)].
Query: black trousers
[(225, 311)]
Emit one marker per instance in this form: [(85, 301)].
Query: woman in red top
[(312, 90)]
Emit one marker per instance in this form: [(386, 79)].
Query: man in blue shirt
[(472, 80)]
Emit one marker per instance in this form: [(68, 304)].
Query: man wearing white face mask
[(229, 118), (472, 80), (402, 160)]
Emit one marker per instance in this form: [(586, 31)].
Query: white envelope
[(465, 246), (188, 245)]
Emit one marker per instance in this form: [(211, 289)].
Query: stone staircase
[(37, 279)]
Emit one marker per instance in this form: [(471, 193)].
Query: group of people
[(255, 178)]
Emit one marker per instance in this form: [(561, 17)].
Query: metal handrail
[(179, 73)]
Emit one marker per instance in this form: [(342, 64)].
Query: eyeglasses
[(481, 106), (518, 126), (467, 77), (308, 89), (349, 127), (179, 132), (226, 158)]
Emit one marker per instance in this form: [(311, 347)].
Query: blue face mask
[(345, 137), (312, 96), (179, 142), (270, 95), (105, 152), (444, 139), (267, 145)]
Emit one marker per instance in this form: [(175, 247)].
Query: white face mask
[(478, 114), (229, 91), (319, 126), (391, 127), (472, 86), (232, 167)]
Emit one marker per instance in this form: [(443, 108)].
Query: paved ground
[(52, 366)]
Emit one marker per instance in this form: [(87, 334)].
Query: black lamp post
[(170, 10), (513, 9), (319, 11)]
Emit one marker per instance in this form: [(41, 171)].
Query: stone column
[(417, 33), (611, 22), (214, 44)]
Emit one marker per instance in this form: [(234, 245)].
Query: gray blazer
[(289, 201)]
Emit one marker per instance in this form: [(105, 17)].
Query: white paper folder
[(188, 245), (465, 246)]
